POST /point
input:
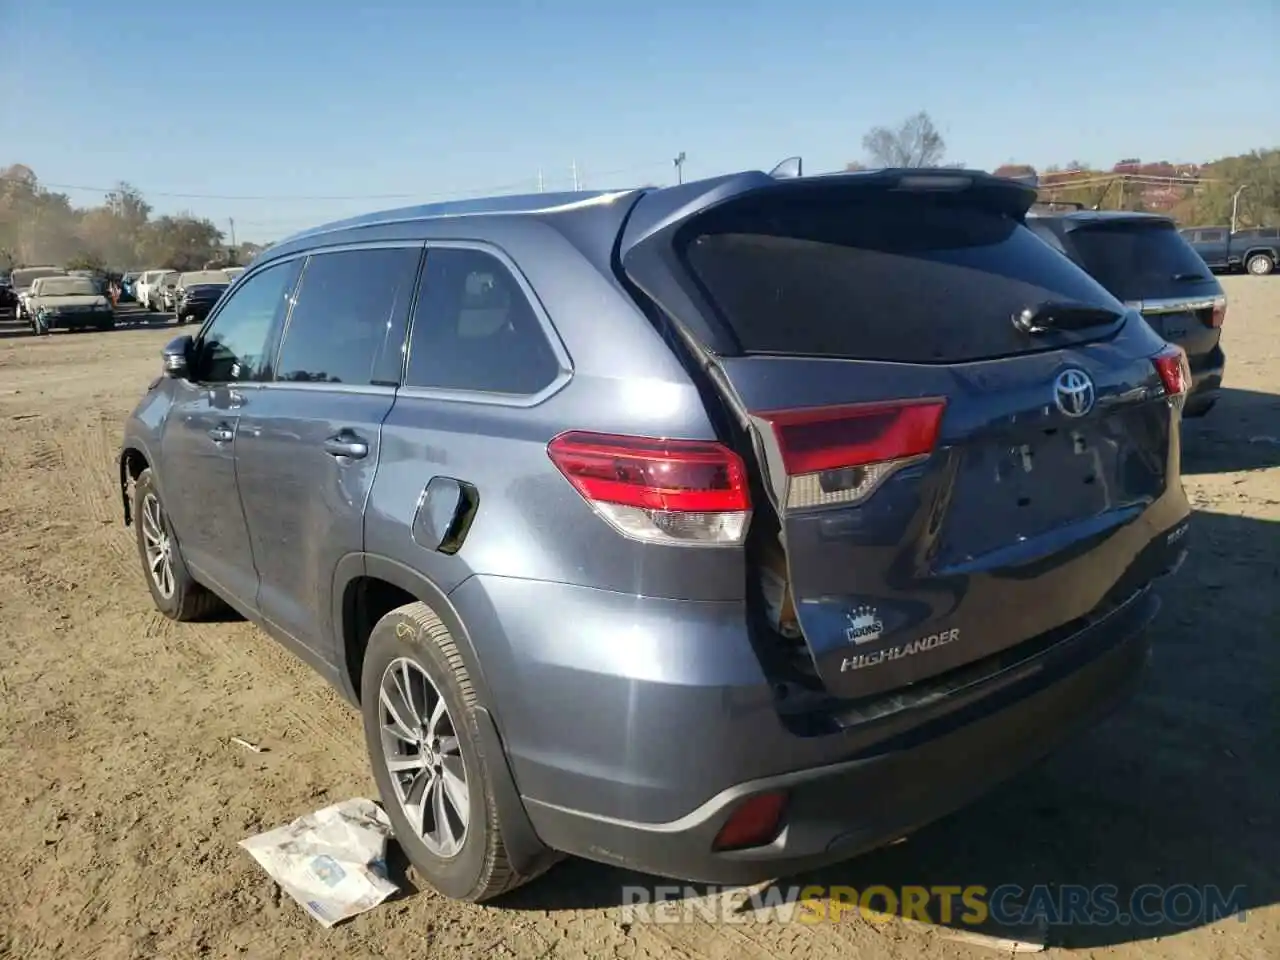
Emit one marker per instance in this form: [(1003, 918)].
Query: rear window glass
[(68, 287), (1140, 261), (893, 277)]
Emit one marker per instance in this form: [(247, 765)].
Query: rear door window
[(349, 316), (892, 277), (1140, 261)]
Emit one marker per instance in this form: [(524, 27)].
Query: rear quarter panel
[(531, 523)]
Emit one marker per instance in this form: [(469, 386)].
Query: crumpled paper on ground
[(332, 862)]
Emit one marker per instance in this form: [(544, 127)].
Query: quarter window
[(475, 329)]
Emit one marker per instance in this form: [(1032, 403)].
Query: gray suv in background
[(1143, 260), (716, 531)]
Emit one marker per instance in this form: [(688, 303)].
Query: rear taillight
[(843, 454), (1175, 372), (660, 491), (1219, 314)]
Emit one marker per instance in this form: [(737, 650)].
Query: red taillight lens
[(842, 454), (1175, 372), (753, 824), (664, 491)]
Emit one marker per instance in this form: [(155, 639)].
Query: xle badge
[(919, 645)]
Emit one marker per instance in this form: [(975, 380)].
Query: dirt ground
[(123, 799)]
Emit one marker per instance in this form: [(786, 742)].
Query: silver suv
[(716, 531)]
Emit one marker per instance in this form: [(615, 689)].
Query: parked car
[(69, 303), (165, 296), (1256, 250), (718, 531), (142, 288), (1143, 261), (196, 293), (22, 278), (233, 273), (127, 282), (8, 298)]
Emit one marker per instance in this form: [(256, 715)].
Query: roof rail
[(788, 169)]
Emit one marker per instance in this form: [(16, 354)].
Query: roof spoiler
[(666, 210)]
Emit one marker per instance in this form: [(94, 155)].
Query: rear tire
[(1260, 264), (174, 591), (411, 650)]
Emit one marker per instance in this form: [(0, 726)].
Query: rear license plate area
[(1007, 492), (1174, 327)]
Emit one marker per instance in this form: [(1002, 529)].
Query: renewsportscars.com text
[(1183, 905)]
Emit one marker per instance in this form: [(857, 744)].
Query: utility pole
[(575, 175), (232, 222), (679, 165), (542, 187), (1235, 204)]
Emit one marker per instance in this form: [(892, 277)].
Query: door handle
[(222, 434), (346, 445)]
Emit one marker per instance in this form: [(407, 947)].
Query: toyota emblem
[(1074, 393)]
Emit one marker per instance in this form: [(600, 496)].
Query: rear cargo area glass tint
[(894, 277), (1141, 261)]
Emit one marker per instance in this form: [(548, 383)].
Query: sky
[(282, 114)]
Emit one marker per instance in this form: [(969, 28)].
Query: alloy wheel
[(423, 757), (158, 546)]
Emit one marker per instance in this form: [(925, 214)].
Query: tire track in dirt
[(85, 453)]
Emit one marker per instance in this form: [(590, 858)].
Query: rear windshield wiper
[(1062, 315)]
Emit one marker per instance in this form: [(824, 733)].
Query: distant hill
[(1199, 193)]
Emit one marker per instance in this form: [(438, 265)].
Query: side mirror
[(177, 357)]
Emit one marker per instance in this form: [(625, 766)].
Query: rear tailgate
[(1145, 262), (947, 484)]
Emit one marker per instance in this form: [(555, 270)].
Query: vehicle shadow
[(1241, 432), (124, 321), (1177, 787)]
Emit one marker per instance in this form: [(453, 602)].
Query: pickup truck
[(1256, 250)]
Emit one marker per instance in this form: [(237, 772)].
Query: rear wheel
[(175, 592), (40, 325), (1260, 264), (425, 748)]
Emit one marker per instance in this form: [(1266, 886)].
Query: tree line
[(42, 226), (38, 225)]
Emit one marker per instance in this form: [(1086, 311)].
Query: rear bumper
[(194, 311), (1206, 380), (81, 321), (915, 776)]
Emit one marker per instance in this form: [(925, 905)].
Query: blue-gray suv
[(716, 531)]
